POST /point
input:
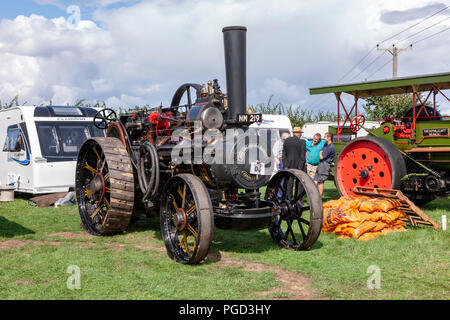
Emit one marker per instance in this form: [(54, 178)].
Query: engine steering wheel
[(103, 118), (357, 123)]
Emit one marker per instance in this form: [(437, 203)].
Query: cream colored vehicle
[(40, 145)]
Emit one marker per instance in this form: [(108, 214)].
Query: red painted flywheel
[(369, 162)]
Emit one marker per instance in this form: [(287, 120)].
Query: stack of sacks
[(363, 217)]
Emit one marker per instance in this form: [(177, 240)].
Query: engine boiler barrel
[(234, 39), (241, 160)]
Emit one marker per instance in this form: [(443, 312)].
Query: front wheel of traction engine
[(187, 221), (300, 220), (104, 186), (369, 162)]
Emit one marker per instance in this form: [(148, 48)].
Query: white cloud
[(125, 100), (280, 90), (105, 3), (444, 106), (51, 2), (141, 53)]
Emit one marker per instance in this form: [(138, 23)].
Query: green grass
[(413, 264)]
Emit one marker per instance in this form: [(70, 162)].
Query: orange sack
[(384, 205), (362, 217)]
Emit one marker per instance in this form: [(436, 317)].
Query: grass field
[(38, 245)]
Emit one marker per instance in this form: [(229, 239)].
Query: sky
[(131, 52)]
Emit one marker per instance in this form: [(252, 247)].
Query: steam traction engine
[(134, 169)]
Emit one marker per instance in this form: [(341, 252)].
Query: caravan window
[(67, 111), (48, 140), (64, 139), (72, 137), (14, 140)]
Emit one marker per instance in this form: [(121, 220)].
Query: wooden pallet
[(415, 216)]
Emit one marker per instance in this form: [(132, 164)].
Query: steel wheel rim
[(104, 186), (181, 222), (94, 201), (299, 223)]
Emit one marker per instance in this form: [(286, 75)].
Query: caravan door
[(16, 152)]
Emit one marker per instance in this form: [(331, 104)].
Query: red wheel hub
[(363, 163), (98, 185), (180, 219)]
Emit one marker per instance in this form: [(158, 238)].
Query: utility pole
[(394, 51)]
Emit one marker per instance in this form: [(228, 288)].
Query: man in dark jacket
[(294, 151)]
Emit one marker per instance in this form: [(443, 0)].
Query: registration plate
[(257, 168), (249, 118)]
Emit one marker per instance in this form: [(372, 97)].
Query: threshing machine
[(410, 153)]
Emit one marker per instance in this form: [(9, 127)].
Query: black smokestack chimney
[(234, 40)]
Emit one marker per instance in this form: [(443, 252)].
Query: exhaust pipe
[(234, 39)]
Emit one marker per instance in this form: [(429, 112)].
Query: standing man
[(278, 150), (326, 159), (294, 151), (313, 149)]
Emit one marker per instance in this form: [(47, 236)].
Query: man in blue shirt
[(326, 159), (313, 149)]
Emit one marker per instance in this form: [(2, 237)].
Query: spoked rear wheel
[(186, 219), (300, 220), (104, 186)]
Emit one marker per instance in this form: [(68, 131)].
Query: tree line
[(374, 108)]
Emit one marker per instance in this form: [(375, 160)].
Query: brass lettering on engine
[(434, 132), (249, 177)]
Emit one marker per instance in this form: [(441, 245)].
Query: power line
[(408, 28), (326, 97), (434, 34), (384, 64), (373, 48), (412, 26), (323, 99), (372, 62), (319, 101), (367, 54), (422, 30)]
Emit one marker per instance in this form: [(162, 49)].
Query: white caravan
[(275, 122), (275, 125), (40, 146)]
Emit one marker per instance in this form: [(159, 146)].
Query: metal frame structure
[(432, 83), (409, 153)]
